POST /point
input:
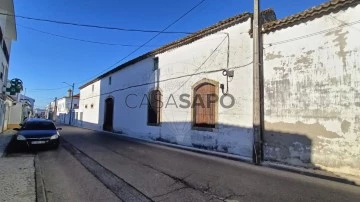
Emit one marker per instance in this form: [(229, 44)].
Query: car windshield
[(38, 126)]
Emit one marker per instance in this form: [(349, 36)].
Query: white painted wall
[(234, 131), (63, 104), (16, 114), (90, 97), (312, 93), (8, 28), (63, 108)]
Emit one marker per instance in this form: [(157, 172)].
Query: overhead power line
[(165, 80), (77, 39), (46, 89), (152, 38), (189, 76), (202, 64), (93, 26)]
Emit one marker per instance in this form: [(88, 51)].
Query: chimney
[(69, 93), (268, 15)]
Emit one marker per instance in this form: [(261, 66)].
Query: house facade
[(7, 35), (63, 106), (178, 75), (19, 108), (198, 91), (40, 113), (312, 88)]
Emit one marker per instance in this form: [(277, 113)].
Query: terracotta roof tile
[(181, 42), (325, 8), (204, 32)]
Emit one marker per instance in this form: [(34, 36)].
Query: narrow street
[(205, 101), (65, 179), (96, 166)]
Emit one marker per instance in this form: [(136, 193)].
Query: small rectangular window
[(2, 72), (109, 80), (92, 88), (156, 63)]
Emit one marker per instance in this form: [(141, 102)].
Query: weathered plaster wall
[(312, 93), (179, 69), (234, 131)]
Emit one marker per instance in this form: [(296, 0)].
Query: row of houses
[(14, 107), (198, 91), (59, 109)]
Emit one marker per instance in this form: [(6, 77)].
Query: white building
[(20, 108), (311, 90), (63, 106), (191, 65), (7, 35), (40, 113)]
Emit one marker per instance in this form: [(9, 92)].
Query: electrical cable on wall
[(165, 80)]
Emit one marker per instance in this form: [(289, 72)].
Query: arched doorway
[(109, 114)]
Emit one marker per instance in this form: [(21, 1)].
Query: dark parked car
[(38, 132)]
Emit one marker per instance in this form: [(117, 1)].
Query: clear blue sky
[(44, 62)]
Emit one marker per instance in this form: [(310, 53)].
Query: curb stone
[(307, 172), (40, 187), (5, 139)]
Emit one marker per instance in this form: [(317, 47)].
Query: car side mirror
[(17, 129), (21, 124), (59, 129)]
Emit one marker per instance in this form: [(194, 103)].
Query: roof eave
[(178, 43), (307, 15)]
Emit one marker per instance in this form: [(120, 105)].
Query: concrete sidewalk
[(17, 174), (5, 138)]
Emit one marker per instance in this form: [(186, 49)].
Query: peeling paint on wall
[(311, 100), (309, 130), (345, 125), (340, 42), (271, 56)]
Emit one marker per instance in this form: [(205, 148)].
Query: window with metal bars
[(156, 63)]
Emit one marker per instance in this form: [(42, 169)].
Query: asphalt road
[(167, 174), (65, 179), (96, 166)]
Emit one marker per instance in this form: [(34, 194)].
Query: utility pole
[(71, 104), (257, 85), (55, 109)]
